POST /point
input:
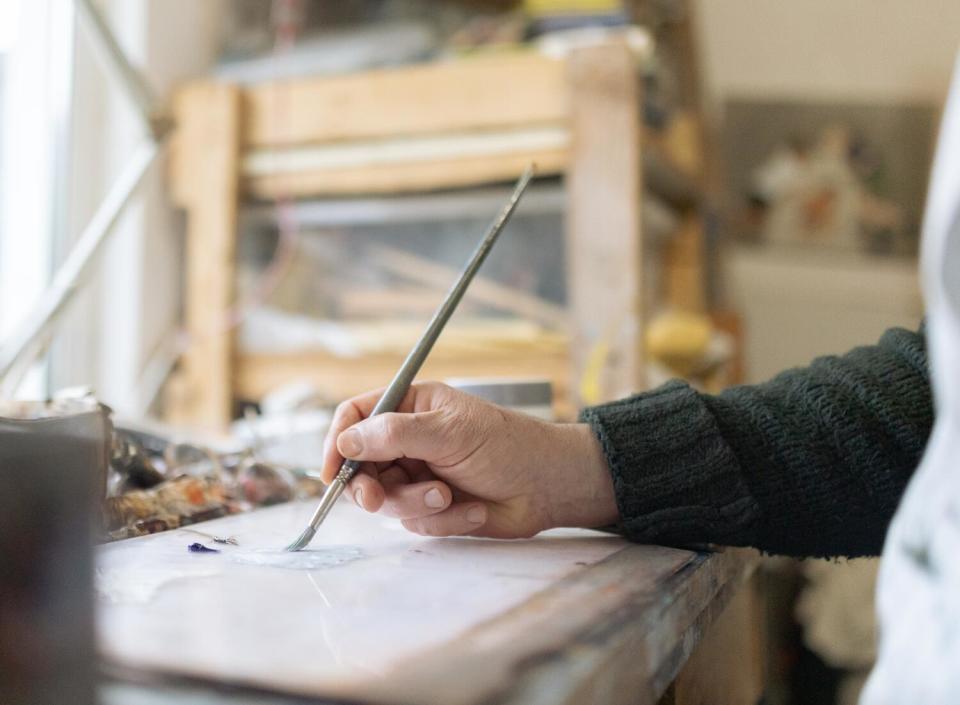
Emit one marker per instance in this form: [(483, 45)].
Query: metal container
[(532, 396), (53, 460)]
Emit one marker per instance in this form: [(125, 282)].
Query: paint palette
[(363, 599)]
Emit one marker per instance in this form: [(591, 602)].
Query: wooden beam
[(604, 245), (403, 150), (339, 378), (467, 94), (407, 177), (205, 168)]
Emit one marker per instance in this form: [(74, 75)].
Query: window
[(36, 46)]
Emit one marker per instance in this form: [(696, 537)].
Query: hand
[(447, 463)]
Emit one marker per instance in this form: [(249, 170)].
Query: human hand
[(447, 463)]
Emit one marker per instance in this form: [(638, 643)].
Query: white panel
[(844, 49), (798, 304)]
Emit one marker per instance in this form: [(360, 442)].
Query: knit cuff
[(676, 480)]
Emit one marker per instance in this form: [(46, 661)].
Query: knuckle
[(343, 407), (432, 386), (340, 414), (436, 394), (399, 507), (426, 526), (415, 425), (409, 525), (392, 431)]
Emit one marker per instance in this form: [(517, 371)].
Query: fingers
[(420, 397), (347, 414), (367, 492), (417, 500), (393, 493), (460, 519), (395, 474), (397, 435)]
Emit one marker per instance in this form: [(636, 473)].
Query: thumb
[(394, 435)]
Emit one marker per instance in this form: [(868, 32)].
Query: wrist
[(579, 486)]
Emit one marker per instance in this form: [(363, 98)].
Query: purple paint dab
[(200, 548)]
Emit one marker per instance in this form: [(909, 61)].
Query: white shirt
[(918, 595)]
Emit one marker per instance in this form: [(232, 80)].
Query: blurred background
[(727, 188)]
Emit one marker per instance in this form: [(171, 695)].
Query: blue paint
[(200, 548)]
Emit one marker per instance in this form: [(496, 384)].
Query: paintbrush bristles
[(303, 540)]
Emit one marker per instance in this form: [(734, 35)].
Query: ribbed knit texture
[(811, 463)]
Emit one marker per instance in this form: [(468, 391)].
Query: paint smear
[(329, 557)]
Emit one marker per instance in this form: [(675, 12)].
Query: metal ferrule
[(330, 497)]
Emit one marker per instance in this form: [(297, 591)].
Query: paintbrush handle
[(398, 387), (411, 366)]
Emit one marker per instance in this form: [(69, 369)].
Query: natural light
[(35, 71)]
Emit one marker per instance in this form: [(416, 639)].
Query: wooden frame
[(461, 123)]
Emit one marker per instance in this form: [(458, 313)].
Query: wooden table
[(376, 615)]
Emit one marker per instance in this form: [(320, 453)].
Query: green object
[(811, 463)]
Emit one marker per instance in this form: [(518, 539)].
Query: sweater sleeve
[(811, 463)]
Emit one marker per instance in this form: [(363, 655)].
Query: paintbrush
[(408, 370)]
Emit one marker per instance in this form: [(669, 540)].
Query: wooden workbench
[(377, 615)]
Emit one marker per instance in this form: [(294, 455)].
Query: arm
[(812, 463)]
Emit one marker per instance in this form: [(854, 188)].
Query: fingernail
[(350, 443), (433, 499), (358, 498), (476, 515)]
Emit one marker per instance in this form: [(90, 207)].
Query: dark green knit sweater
[(811, 463)]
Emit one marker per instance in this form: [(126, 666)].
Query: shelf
[(338, 378), (436, 127)]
